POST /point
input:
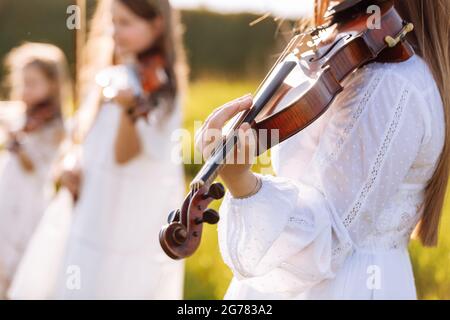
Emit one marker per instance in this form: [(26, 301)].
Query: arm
[(25, 161), (151, 139), (128, 144)]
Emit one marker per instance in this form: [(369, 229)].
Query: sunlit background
[(227, 58)]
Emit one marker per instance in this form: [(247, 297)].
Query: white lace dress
[(113, 249), (336, 221), (23, 196)]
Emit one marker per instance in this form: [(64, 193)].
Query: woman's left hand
[(237, 176)]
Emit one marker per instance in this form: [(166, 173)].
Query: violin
[(41, 114), (146, 78), (154, 79), (324, 57), (36, 118)]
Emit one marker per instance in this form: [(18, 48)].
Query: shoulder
[(412, 75), (385, 85), (385, 96)]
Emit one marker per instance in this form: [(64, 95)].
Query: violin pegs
[(174, 216), (216, 192), (210, 216)]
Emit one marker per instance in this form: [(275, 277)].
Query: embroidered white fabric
[(336, 221)]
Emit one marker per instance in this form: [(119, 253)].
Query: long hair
[(431, 40), (320, 7), (170, 43), (99, 53), (51, 61)]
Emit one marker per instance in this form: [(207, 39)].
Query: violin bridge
[(306, 44)]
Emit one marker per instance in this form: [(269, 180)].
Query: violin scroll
[(181, 237)]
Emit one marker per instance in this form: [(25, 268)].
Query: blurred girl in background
[(124, 179), (38, 78)]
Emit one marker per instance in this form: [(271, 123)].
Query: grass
[(207, 277), (432, 265)]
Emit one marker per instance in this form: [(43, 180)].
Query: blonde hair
[(431, 40), (99, 53), (320, 7), (50, 60)]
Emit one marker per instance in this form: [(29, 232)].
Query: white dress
[(23, 196), (113, 247), (336, 221)]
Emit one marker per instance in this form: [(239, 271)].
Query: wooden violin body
[(325, 68), (36, 118), (298, 90), (174, 237), (152, 73), (40, 115)]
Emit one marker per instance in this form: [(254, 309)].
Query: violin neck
[(268, 90), (214, 164)]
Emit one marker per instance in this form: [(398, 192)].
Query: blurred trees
[(43, 21), (215, 44)]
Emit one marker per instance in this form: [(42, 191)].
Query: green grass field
[(207, 277)]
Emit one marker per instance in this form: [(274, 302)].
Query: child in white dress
[(39, 78), (350, 189), (126, 181)]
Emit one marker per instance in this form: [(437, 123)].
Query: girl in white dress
[(126, 180), (350, 189), (39, 78)]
